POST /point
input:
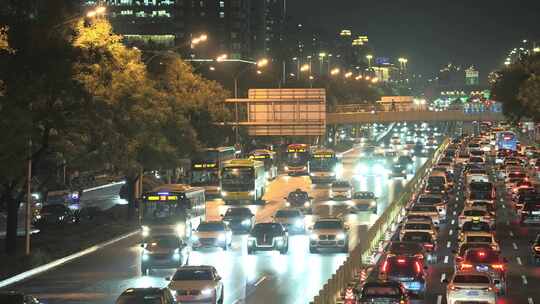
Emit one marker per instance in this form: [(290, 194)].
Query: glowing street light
[(348, 75), (100, 10), (536, 50), (369, 57), (359, 77), (368, 78), (197, 40), (304, 68), (221, 58), (334, 71), (375, 80), (259, 72), (262, 63)]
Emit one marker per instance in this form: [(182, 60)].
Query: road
[(523, 277), (263, 278)]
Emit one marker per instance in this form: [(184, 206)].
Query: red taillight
[(465, 266), (385, 266), (401, 261), (481, 254), (417, 267), (428, 245), (497, 266), (419, 256)]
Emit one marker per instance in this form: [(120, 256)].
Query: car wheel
[(312, 249)]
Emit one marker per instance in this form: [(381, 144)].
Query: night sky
[(430, 33)]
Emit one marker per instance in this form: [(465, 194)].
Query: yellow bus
[(324, 166), (205, 168), (269, 159), (243, 181)]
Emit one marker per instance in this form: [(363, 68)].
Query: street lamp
[(348, 75), (304, 68), (334, 71), (195, 41), (262, 63), (359, 77), (221, 57), (536, 50), (375, 80), (100, 10), (369, 57)]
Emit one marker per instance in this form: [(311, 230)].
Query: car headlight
[(246, 222), (340, 236), (224, 193), (145, 256), (251, 193), (207, 292), (279, 239), (306, 204), (194, 238), (286, 168), (38, 217), (145, 230), (313, 236), (379, 169), (373, 204), (221, 237), (312, 174), (61, 218), (176, 256), (181, 229), (299, 223)]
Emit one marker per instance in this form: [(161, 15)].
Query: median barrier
[(367, 245)]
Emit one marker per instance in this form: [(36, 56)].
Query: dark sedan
[(268, 236)]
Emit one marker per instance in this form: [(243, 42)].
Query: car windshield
[(401, 247), (238, 212), (481, 196), (476, 226), (478, 239), (417, 237), (480, 186), (482, 256), (298, 195), (477, 171), (328, 225), (193, 275), (288, 213), (516, 175), (424, 209), (53, 209), (364, 195), (417, 226), (429, 200), (341, 185), (136, 299), (207, 227), (467, 246), (267, 228), (476, 159), (471, 279), (474, 212), (401, 267), (381, 292), (436, 180)]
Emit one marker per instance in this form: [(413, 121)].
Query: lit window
[(221, 15)]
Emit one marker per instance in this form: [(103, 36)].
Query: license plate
[(482, 268), (473, 293)]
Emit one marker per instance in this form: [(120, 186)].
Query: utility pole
[(28, 199)]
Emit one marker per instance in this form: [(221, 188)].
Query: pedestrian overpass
[(410, 116)]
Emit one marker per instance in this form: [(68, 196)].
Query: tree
[(516, 86), (41, 101)]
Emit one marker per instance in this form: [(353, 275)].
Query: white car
[(196, 284), (471, 286), (341, 190), (212, 234)]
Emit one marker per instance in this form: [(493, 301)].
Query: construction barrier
[(373, 239)]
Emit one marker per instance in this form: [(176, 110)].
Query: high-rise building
[(229, 24), (472, 76), (451, 76)]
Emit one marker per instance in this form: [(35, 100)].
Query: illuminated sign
[(204, 166), (323, 155), (296, 150), (162, 198), (259, 156)]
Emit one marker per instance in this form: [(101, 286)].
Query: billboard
[(286, 112)]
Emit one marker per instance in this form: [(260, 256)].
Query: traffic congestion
[(242, 240), (471, 234)]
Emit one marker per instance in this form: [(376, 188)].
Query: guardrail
[(370, 243)]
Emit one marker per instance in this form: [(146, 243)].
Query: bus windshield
[(297, 158), (156, 212), (204, 177), (239, 175), (322, 164)]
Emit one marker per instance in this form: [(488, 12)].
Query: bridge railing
[(371, 240)]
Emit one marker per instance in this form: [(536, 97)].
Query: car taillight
[(417, 267), (384, 266), (428, 246), (465, 266), (536, 248), (401, 261), (497, 266), (419, 256)]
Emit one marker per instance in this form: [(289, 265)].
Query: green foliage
[(517, 87)]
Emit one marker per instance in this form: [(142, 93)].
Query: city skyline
[(460, 32)]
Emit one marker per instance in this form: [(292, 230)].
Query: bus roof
[(298, 145), (261, 152), (243, 163), (323, 151), (176, 188), (219, 149)]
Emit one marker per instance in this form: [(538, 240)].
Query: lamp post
[(369, 57)]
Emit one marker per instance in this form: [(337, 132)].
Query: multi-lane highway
[(523, 277), (262, 278)]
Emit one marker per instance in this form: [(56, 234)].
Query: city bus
[(269, 159), (172, 209), (506, 140), (297, 158), (324, 166), (206, 166), (243, 181)]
